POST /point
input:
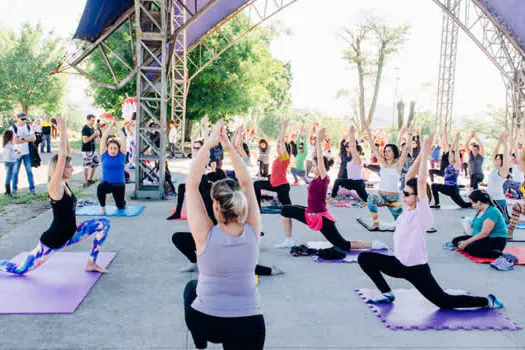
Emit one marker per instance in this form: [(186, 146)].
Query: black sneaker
[(435, 206)]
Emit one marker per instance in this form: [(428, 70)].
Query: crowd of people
[(223, 207)]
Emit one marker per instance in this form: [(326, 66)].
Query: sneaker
[(384, 299), (435, 206), (494, 303), (502, 264), (448, 246), (190, 268), (295, 183), (287, 243)]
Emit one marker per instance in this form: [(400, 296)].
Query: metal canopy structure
[(166, 31)]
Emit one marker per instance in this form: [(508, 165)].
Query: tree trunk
[(380, 65), (411, 112), (25, 108), (361, 77), (400, 114)]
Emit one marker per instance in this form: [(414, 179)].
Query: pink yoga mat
[(56, 287)]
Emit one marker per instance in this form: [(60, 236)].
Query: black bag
[(332, 253)]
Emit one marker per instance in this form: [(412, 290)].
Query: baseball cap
[(21, 115)]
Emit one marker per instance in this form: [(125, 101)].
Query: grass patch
[(27, 198)]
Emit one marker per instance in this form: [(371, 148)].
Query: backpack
[(36, 161)]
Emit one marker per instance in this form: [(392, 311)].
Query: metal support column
[(153, 28), (447, 68)]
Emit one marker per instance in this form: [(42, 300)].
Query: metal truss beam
[(447, 69), (506, 55)]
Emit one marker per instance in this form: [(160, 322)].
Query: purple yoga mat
[(411, 310), (351, 256), (56, 287)]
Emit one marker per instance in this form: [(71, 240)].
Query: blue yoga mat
[(94, 210), (270, 210)]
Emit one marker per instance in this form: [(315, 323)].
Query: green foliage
[(26, 60)]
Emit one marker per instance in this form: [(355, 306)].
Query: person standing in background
[(46, 135), (23, 135), (89, 153)]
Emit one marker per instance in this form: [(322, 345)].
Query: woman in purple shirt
[(410, 260), (316, 216)]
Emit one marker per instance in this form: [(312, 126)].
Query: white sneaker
[(287, 243), (190, 268)]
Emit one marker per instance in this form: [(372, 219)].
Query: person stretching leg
[(63, 231), (410, 260)]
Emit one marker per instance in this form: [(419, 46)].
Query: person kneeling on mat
[(63, 231), (410, 260), (113, 159), (316, 216), (226, 255), (489, 232)]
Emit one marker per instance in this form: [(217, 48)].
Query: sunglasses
[(408, 194)]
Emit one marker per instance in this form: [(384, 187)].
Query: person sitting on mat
[(278, 181), (391, 166), (316, 216), (450, 188), (113, 159), (226, 255), (410, 259), (498, 176), (63, 231), (354, 171), (512, 185), (476, 157)]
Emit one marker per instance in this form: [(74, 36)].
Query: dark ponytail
[(481, 196)]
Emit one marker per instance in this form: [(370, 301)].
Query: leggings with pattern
[(39, 255), (517, 210), (381, 199)]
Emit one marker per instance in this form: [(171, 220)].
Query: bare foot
[(103, 211), (94, 267)]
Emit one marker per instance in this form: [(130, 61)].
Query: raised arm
[(56, 190), (104, 139), (423, 171), (400, 163), (498, 144), (504, 171), (480, 144), (469, 138), (319, 153), (400, 135), (457, 153), (356, 157), (245, 181), (373, 148), (122, 141), (281, 148)]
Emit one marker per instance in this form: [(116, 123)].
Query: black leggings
[(283, 191), (204, 189), (235, 333), (452, 192), (475, 180), (432, 172), (483, 248), (186, 245), (264, 169), (329, 230), (118, 191), (358, 185), (374, 264)]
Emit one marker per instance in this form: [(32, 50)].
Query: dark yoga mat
[(351, 256), (411, 311), (56, 287)]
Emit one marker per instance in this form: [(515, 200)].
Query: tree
[(369, 45), (25, 64)]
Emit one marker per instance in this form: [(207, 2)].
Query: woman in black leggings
[(316, 216), (450, 188), (410, 260)]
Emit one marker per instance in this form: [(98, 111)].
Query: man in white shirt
[(516, 178), (172, 138), (23, 136)]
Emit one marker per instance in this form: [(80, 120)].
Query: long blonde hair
[(53, 166), (232, 201)]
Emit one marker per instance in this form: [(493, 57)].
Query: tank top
[(317, 190), (226, 286), (475, 164), (495, 185), (354, 171), (64, 224), (389, 180)]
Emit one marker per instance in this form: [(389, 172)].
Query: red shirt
[(279, 167), (317, 190)]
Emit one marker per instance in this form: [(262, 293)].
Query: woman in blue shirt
[(113, 158), (489, 231)]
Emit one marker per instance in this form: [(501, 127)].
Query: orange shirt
[(279, 168)]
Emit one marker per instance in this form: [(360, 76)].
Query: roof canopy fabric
[(101, 14), (511, 15)]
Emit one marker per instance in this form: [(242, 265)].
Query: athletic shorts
[(90, 159)]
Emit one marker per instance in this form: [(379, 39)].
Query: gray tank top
[(475, 164), (226, 286)]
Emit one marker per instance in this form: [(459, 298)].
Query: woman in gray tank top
[(223, 305)]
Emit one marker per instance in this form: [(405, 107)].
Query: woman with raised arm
[(498, 176), (63, 231), (512, 185), (299, 170), (316, 215), (518, 209), (354, 170), (450, 188), (223, 305), (410, 259), (476, 157), (113, 159), (391, 167), (278, 182)]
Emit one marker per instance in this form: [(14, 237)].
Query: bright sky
[(314, 51)]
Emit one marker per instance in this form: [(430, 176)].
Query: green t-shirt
[(492, 213), (301, 156)]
